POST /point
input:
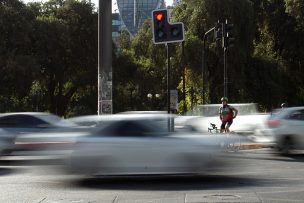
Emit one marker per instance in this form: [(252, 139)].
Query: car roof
[(25, 113), (282, 112), (45, 116), (124, 116), (294, 108), (288, 109)]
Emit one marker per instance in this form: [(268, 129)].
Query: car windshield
[(133, 128)]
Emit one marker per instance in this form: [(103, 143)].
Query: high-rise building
[(176, 2), (134, 12), (117, 26)]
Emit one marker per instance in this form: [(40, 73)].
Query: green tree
[(199, 16), (18, 67), (67, 51)]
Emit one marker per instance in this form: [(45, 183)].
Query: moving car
[(141, 146), (286, 128), (25, 127), (6, 142), (60, 140), (31, 122)]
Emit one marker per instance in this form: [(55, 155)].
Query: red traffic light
[(163, 31), (159, 16)]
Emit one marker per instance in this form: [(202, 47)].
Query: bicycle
[(213, 128), (231, 143)]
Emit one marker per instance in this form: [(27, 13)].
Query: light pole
[(104, 103), (203, 65)]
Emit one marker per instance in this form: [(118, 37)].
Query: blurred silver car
[(22, 124), (6, 142), (286, 128), (31, 122), (60, 140), (140, 146)]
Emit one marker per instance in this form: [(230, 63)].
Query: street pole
[(104, 103), (203, 65), (184, 77), (225, 73), (168, 85)]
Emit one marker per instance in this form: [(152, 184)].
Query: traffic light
[(228, 39), (218, 31), (160, 25), (163, 31)]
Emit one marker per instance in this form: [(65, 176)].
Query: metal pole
[(225, 73), (168, 85), (203, 69), (184, 77), (104, 57), (203, 65)]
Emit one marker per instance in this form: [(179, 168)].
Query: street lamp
[(152, 98)]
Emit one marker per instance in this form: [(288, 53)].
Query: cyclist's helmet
[(284, 105), (224, 99)]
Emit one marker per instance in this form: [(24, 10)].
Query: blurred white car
[(139, 146), (31, 122), (6, 142), (61, 140), (103, 120), (29, 127), (89, 120), (246, 122), (286, 128)]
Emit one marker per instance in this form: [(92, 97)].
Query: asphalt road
[(255, 176)]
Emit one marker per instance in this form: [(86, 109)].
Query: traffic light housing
[(163, 30), (228, 39), (218, 31)]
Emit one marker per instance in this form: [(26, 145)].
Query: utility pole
[(184, 78), (227, 42), (203, 65), (104, 103), (168, 84)]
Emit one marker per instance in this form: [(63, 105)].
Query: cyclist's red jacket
[(226, 112)]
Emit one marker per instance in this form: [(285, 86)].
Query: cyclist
[(227, 114)]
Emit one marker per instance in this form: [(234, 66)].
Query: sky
[(114, 5)]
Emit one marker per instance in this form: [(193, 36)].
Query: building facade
[(117, 26), (134, 12), (176, 2)]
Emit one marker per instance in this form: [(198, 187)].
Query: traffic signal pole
[(168, 85), (227, 41), (104, 103), (184, 78), (225, 73), (203, 65), (165, 32)]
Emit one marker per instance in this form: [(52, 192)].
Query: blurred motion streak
[(139, 145)]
